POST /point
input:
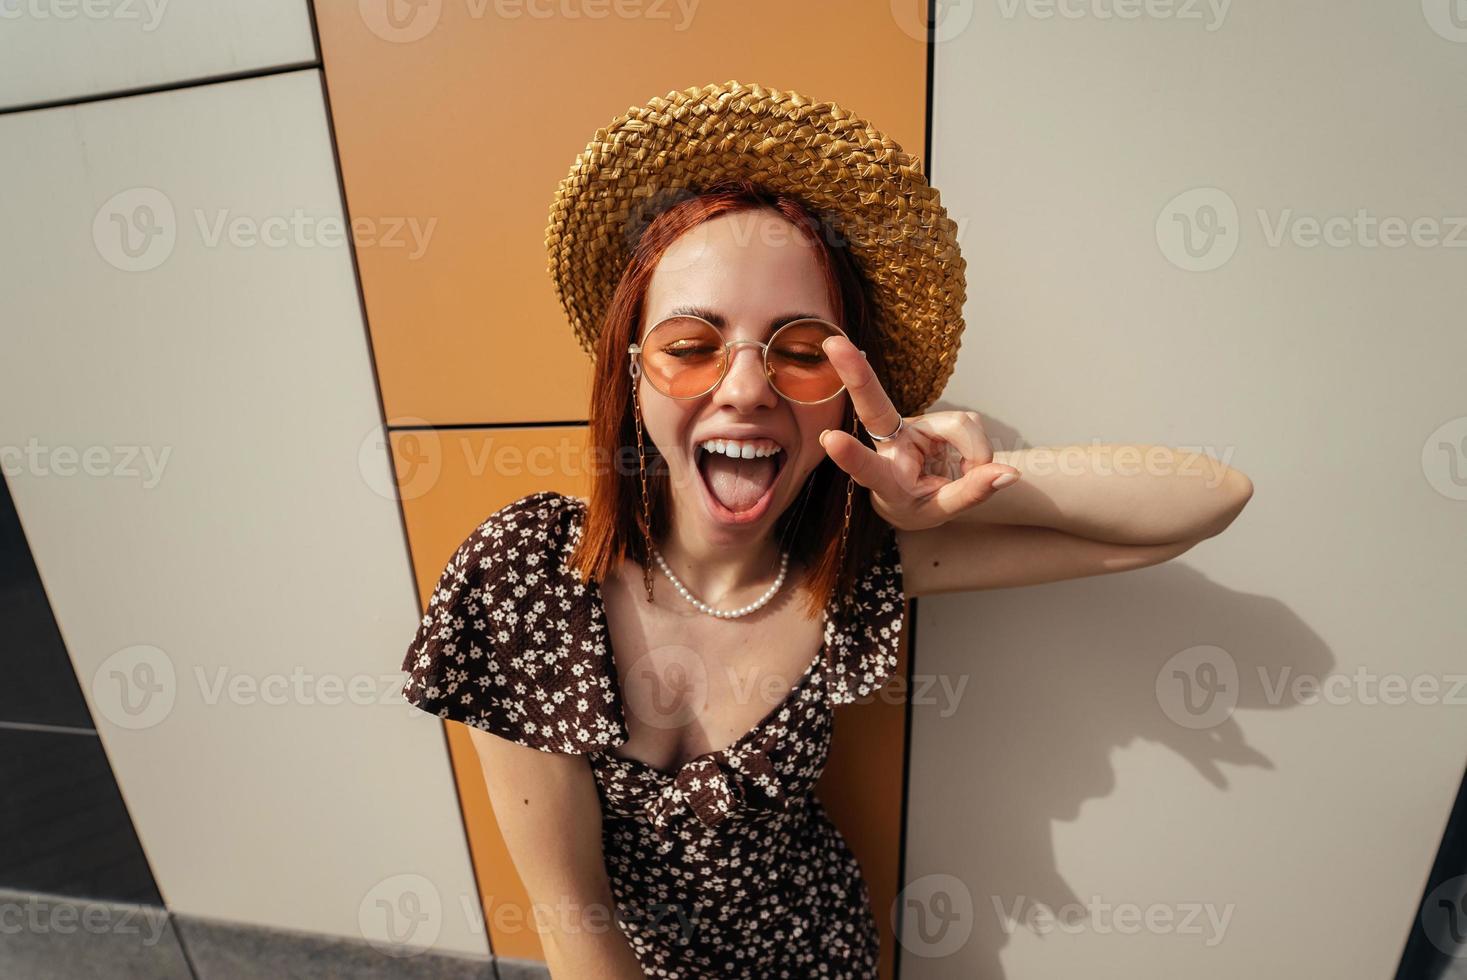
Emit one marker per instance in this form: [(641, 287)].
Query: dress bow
[(705, 786)]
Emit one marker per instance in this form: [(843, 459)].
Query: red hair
[(811, 526)]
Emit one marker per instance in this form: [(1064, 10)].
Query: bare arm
[(550, 816), (972, 557), (1122, 494), (1077, 511), (1069, 511)]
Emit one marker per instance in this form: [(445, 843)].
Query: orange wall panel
[(864, 787), (452, 480)]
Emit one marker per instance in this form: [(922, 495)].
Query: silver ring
[(892, 435)]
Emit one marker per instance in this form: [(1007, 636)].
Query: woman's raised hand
[(913, 481)]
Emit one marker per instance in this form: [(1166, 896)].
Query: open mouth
[(738, 489)]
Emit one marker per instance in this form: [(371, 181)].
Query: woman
[(651, 739)]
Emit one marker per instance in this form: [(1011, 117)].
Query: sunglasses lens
[(683, 356), (801, 371)]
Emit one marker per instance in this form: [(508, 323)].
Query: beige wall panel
[(1331, 374), (195, 450), (66, 49)]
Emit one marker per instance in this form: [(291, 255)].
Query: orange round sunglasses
[(685, 356)]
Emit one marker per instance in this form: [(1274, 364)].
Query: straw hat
[(874, 195)]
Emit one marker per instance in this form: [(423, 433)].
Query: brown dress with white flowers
[(728, 867)]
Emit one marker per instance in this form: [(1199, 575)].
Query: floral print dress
[(728, 867)]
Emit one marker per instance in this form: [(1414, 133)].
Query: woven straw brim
[(872, 193)]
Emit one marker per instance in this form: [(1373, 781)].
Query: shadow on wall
[(1066, 674)]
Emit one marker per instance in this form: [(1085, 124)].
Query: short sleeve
[(863, 641), (507, 642)]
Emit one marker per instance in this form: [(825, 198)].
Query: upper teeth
[(738, 449)]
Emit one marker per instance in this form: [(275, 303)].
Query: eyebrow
[(721, 322)]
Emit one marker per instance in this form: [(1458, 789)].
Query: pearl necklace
[(701, 606)]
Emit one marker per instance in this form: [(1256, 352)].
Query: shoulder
[(502, 643), (545, 515), (516, 535)]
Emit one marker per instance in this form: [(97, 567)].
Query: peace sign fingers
[(872, 404), (940, 466), (963, 431)]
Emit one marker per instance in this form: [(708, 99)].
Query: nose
[(744, 385)]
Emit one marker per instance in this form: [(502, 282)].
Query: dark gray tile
[(50, 937), (229, 951), (40, 684), (64, 829)]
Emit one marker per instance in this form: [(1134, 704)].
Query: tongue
[(737, 483)]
